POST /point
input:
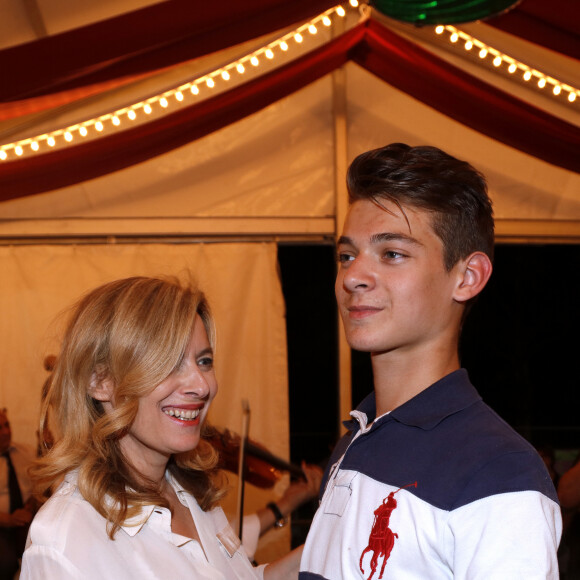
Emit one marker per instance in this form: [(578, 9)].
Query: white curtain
[(244, 292)]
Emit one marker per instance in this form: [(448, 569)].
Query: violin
[(261, 468)]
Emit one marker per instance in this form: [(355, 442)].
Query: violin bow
[(241, 463)]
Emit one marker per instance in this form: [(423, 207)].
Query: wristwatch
[(281, 520)]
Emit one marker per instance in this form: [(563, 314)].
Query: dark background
[(520, 345)]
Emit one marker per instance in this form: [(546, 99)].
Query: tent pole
[(341, 206)]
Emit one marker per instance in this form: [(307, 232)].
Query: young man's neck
[(397, 379)]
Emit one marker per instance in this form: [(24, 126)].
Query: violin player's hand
[(297, 493), (301, 491)]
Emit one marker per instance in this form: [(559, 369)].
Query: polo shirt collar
[(426, 410)]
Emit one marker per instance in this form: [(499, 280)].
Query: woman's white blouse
[(68, 541)]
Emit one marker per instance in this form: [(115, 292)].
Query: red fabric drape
[(145, 40), (467, 99), (554, 24), (140, 42), (111, 153), (382, 52), (175, 31)]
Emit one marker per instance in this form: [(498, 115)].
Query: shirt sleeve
[(44, 563), (251, 534), (260, 571), (509, 535)]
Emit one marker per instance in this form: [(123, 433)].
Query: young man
[(429, 483)]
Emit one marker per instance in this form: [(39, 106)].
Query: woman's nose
[(197, 384)]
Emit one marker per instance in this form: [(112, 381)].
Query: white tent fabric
[(522, 188), (276, 172), (273, 173), (275, 164), (240, 281)]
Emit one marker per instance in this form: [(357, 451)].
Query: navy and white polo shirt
[(441, 487)]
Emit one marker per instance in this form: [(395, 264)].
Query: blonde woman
[(133, 485)]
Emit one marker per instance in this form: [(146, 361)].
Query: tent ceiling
[(30, 20), (135, 64)]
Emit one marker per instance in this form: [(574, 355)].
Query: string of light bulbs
[(510, 64), (198, 86), (178, 95)]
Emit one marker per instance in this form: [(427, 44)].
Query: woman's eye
[(206, 362)]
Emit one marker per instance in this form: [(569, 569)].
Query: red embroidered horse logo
[(382, 538)]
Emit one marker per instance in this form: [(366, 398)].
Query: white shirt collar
[(133, 525)]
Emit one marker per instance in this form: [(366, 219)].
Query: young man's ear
[(100, 387), (474, 272)]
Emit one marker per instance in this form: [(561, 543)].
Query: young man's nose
[(359, 275)]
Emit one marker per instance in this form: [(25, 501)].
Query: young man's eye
[(393, 254), (344, 258)]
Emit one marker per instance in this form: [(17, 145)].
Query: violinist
[(133, 485), (263, 470), (276, 514)]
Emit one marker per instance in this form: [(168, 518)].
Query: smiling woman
[(133, 485)]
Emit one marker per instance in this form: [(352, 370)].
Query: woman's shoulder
[(66, 516)]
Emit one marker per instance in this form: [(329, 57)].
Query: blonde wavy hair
[(134, 332)]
